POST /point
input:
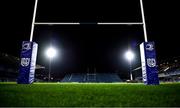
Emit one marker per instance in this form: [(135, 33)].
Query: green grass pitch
[(89, 95)]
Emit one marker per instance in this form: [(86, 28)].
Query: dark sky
[(82, 46)]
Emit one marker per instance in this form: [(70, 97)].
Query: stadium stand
[(9, 68), (169, 70), (86, 77)]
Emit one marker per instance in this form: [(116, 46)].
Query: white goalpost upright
[(143, 21), (33, 20)]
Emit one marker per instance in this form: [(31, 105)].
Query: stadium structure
[(9, 65), (169, 71), (87, 77), (9, 68)]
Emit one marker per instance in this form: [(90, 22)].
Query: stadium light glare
[(129, 55), (51, 52)]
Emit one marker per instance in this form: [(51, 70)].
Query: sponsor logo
[(26, 46), (151, 62), (25, 62), (149, 47)]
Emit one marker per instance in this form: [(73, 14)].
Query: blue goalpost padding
[(27, 62)]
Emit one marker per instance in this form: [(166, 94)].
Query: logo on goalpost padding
[(151, 62), (149, 47), (25, 62)]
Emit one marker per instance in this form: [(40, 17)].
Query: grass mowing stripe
[(89, 95)]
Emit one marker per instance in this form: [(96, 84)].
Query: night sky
[(90, 45)]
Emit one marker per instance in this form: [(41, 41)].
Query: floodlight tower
[(129, 55), (50, 53)]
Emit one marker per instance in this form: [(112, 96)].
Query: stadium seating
[(98, 77)]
